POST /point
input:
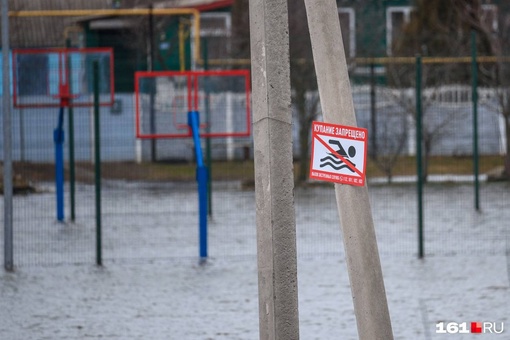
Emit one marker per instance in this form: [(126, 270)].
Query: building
[(171, 47), (369, 27), (147, 42)]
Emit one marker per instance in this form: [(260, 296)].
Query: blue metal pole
[(194, 124), (202, 179), (58, 139)]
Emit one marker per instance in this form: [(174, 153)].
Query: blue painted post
[(58, 139), (202, 179)]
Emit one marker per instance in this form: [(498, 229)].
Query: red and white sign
[(339, 153)]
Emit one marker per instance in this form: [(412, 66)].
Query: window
[(348, 26), (396, 18), (216, 28), (489, 17), (34, 74)]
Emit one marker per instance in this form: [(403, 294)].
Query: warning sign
[(338, 153)]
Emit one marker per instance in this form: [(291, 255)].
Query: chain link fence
[(149, 201)]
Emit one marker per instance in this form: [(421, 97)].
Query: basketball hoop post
[(50, 71), (202, 179), (179, 97), (58, 139)]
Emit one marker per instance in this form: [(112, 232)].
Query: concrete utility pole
[(274, 180), (363, 264)]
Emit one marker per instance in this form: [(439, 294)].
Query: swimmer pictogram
[(336, 163)]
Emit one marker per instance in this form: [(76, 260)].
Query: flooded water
[(146, 221), (151, 286)]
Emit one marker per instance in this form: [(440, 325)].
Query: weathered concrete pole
[(363, 264), (274, 180)]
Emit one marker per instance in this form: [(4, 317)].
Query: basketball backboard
[(163, 100), (61, 77)]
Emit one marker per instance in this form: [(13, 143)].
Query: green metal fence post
[(152, 99), (8, 240), (208, 127), (97, 165), (474, 67), (373, 113), (72, 176), (419, 165)]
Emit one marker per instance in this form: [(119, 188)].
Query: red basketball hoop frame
[(66, 95), (193, 98)]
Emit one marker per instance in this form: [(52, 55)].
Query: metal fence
[(150, 206)]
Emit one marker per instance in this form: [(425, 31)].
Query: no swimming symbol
[(338, 153), (337, 163)]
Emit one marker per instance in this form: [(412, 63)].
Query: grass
[(406, 166), (236, 170)]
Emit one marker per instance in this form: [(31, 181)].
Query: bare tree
[(434, 126), (391, 132), (443, 28), (303, 82), (494, 27)]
